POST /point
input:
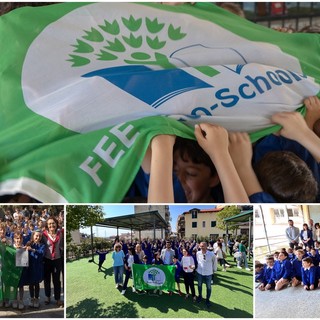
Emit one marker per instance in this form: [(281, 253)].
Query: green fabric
[(151, 277)]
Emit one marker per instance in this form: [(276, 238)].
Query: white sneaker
[(36, 303), (14, 304), (117, 285), (123, 291), (133, 289), (239, 267), (248, 269)]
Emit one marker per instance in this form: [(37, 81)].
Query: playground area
[(92, 294)]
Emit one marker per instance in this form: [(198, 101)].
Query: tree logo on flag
[(154, 277), (108, 42)]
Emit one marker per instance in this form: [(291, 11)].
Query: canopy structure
[(150, 220), (245, 217)]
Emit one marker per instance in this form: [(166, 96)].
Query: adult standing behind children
[(53, 260), (167, 254), (118, 264), (292, 234), (207, 264)]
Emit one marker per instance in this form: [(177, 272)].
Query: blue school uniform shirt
[(102, 255), (279, 143), (296, 268), (282, 269), (268, 275), (309, 276), (178, 270)]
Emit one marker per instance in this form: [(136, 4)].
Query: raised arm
[(294, 127), (214, 141), (160, 185), (240, 149)]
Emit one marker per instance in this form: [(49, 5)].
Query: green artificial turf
[(92, 294)]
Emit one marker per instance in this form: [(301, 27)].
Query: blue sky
[(125, 209)]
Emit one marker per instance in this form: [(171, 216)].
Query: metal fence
[(296, 15)]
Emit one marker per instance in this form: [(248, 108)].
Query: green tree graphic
[(154, 272), (108, 42)]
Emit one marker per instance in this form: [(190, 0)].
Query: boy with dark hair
[(296, 268), (282, 271), (297, 147), (102, 257), (309, 274)]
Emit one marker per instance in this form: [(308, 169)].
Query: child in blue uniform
[(282, 271), (309, 274), (268, 281), (177, 263), (296, 268), (286, 166), (35, 270), (102, 257)]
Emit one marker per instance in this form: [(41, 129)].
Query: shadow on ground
[(91, 308)]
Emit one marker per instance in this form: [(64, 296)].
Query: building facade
[(199, 223)]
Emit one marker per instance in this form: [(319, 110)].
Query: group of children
[(223, 166), (289, 268), (22, 251)]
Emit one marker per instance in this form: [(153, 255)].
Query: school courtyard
[(92, 294)]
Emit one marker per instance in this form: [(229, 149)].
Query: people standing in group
[(292, 234), (167, 254), (243, 256), (306, 236), (130, 258), (36, 250), (207, 264), (188, 267), (118, 264), (53, 261)]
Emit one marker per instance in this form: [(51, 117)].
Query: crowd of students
[(31, 251), (193, 261), (298, 266)]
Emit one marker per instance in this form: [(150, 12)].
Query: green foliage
[(140, 56), (104, 55), (227, 212), (79, 216)]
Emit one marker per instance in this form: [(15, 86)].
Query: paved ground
[(287, 303), (45, 311)]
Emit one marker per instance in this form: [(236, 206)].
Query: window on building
[(279, 213), (203, 224), (194, 236), (257, 213), (194, 224), (293, 212), (213, 224), (194, 214)]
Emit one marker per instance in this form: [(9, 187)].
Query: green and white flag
[(151, 277), (10, 274), (85, 87)]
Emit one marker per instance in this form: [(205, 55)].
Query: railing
[(273, 244), (285, 14)]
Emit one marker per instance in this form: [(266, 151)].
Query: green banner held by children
[(152, 277), (90, 84)]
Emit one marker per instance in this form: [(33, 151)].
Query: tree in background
[(79, 216), (227, 212)]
